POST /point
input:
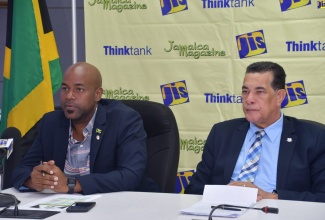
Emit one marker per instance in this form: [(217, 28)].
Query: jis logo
[(182, 180), (251, 44), (321, 4), (293, 4), (172, 6), (296, 95), (174, 93)]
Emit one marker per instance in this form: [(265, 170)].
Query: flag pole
[(74, 32)]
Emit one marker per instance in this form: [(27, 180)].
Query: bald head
[(87, 71)]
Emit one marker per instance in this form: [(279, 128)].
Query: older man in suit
[(283, 157)]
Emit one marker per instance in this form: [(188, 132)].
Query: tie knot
[(260, 133)]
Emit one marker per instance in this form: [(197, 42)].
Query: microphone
[(15, 213), (11, 132), (8, 201), (13, 135), (265, 209)]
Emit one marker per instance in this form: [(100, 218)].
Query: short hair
[(279, 75)]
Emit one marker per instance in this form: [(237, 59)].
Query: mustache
[(68, 104)]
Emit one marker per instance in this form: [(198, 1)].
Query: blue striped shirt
[(77, 159), (267, 169)]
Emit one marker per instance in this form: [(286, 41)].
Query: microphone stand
[(16, 210), (265, 209), (16, 202), (3, 154), (22, 214)]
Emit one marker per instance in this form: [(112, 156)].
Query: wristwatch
[(275, 192), (71, 182)]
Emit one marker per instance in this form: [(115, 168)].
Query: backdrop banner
[(191, 55)]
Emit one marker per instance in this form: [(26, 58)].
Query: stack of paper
[(222, 194)]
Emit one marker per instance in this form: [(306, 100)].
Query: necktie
[(249, 169)]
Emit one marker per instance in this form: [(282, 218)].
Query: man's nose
[(70, 94), (250, 97)]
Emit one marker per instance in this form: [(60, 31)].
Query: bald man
[(91, 145)]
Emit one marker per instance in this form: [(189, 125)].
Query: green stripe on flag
[(29, 85), (56, 70), (26, 68)]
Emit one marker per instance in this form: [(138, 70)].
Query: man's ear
[(281, 95), (99, 93)]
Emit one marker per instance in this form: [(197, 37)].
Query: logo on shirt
[(174, 93), (173, 6), (296, 95), (251, 44), (293, 4)]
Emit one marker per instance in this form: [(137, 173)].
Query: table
[(166, 206)]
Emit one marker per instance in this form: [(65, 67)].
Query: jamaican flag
[(32, 69)]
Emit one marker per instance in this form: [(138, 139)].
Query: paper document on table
[(57, 202), (214, 195)]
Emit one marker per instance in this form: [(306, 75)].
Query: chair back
[(162, 142)]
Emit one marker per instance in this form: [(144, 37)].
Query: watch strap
[(71, 182)]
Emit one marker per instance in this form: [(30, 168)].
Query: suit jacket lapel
[(237, 140), (97, 134), (287, 145)]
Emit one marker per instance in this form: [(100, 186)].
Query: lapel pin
[(289, 139), (99, 131), (97, 137)]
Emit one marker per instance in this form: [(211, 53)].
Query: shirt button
[(81, 145)]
